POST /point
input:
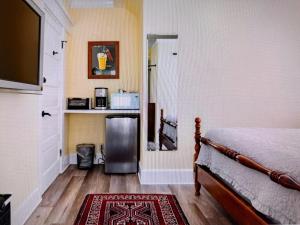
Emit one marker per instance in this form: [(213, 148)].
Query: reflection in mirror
[(162, 92)]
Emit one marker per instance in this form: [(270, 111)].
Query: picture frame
[(103, 60)]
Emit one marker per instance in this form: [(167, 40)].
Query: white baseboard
[(49, 176), (65, 163), (166, 176), (23, 212), (73, 159)]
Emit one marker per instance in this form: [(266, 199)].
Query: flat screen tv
[(21, 45)]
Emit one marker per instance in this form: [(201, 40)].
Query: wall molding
[(23, 212), (73, 159), (91, 3), (166, 176), (65, 163), (56, 10)]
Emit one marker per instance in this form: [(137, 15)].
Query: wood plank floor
[(62, 201)]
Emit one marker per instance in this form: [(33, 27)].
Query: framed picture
[(103, 60)]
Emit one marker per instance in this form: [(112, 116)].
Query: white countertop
[(101, 111)]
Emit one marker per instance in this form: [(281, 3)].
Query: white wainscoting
[(154, 176), (166, 176), (22, 213), (65, 163), (73, 159)]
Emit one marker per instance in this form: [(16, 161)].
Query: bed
[(253, 173), (167, 132)]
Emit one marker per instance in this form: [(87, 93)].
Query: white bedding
[(275, 148)]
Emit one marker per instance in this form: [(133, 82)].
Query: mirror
[(162, 92)]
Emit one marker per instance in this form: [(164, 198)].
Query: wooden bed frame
[(164, 139), (240, 210)]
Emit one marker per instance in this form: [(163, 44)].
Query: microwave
[(125, 101)]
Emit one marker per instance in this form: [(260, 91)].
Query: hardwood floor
[(62, 201)]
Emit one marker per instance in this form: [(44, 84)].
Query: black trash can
[(85, 156)]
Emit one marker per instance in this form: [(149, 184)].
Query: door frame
[(62, 31), (64, 158)]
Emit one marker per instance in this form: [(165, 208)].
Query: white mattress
[(275, 148)]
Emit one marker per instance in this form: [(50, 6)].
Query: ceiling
[(91, 3)]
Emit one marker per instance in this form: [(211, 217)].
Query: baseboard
[(23, 212), (73, 159), (166, 176), (65, 163)]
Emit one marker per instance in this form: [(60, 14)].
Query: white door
[(50, 104)]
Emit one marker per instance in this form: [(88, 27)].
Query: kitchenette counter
[(101, 111)]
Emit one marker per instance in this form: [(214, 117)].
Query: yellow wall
[(109, 24)]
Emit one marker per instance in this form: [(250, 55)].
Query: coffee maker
[(101, 98)]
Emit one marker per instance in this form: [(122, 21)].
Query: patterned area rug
[(130, 209)]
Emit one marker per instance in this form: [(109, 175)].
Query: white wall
[(19, 149), (19, 117), (19, 140), (238, 66)]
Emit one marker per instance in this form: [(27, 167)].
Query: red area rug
[(130, 209)]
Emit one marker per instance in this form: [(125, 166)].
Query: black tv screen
[(20, 45)]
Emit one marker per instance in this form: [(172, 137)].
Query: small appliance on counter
[(101, 98), (79, 103), (125, 100)]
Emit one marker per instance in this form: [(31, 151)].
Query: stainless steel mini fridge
[(121, 144)]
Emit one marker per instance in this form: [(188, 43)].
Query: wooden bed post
[(161, 129), (196, 154)]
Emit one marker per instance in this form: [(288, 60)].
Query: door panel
[(50, 134), (50, 71), (50, 99), (53, 30), (49, 125), (50, 153)]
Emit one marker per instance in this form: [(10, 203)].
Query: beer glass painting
[(103, 60), (102, 57)]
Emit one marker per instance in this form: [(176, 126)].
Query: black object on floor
[(5, 209), (85, 156)]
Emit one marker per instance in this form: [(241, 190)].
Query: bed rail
[(276, 176), (196, 154), (164, 139)]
